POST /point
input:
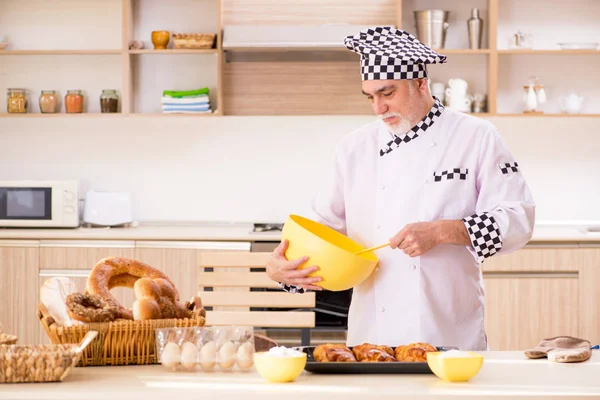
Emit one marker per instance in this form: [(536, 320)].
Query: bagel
[(91, 308)]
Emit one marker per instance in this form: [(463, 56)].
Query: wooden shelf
[(108, 115), (542, 51), (60, 52), (175, 51), (463, 51), (193, 115), (60, 114), (549, 115)]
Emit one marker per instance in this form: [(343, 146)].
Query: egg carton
[(225, 348)]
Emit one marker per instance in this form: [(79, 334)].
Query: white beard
[(400, 128)]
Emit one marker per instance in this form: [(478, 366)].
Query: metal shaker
[(475, 25)]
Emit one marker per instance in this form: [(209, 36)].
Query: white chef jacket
[(452, 166)]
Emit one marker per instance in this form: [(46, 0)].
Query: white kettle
[(107, 208)]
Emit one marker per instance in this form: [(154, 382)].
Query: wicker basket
[(121, 342), (7, 339), (194, 40), (37, 363)]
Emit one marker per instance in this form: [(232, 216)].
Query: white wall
[(263, 168)]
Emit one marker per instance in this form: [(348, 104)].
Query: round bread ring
[(91, 308), (115, 269)]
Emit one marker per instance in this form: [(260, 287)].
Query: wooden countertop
[(505, 375), (241, 232)]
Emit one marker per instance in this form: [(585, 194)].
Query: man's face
[(393, 102)]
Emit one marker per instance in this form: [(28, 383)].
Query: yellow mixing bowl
[(459, 369), (279, 369), (328, 249)]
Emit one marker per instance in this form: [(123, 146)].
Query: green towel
[(185, 93)]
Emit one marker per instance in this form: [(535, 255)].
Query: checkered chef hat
[(390, 53)]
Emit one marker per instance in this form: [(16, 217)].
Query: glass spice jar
[(74, 102), (16, 101), (48, 102), (109, 101)]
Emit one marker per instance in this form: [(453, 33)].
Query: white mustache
[(389, 115)]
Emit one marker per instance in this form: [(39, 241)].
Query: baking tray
[(397, 367)]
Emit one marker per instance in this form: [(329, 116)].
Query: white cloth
[(438, 297)]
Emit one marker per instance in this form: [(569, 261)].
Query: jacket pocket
[(449, 193)]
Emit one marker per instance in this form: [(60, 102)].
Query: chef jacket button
[(413, 267), (378, 226), (382, 309), (382, 187), (426, 180), (433, 144)]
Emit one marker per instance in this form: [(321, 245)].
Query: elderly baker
[(440, 185)]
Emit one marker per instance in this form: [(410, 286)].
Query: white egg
[(245, 356), (170, 355), (227, 355), (189, 355), (208, 355)]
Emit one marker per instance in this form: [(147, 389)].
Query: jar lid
[(16, 90), (74, 91), (48, 91)]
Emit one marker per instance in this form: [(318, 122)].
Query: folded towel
[(186, 111), (185, 100), (200, 107), (184, 103), (562, 349), (187, 105), (183, 93)]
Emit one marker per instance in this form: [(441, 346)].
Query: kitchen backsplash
[(264, 168)]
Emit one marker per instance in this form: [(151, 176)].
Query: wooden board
[(294, 88), (309, 12)]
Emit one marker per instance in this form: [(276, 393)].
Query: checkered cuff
[(484, 234), (291, 288)]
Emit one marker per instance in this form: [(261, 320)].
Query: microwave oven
[(39, 204)]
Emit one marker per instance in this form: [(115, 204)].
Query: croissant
[(413, 352), (367, 352), (333, 353)]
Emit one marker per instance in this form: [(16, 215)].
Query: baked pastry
[(367, 352), (116, 271), (91, 308), (413, 352), (156, 300), (333, 353)]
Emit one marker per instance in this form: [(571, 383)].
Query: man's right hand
[(280, 269)]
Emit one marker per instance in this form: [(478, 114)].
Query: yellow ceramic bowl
[(279, 369), (160, 39), (328, 249), (459, 369)]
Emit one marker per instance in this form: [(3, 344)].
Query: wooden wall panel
[(308, 12), (294, 88)]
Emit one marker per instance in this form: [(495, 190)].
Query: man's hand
[(418, 238), (280, 269)]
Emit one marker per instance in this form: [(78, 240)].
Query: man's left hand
[(416, 239)]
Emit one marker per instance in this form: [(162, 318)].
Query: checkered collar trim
[(428, 120)]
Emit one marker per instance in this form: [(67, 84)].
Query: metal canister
[(431, 27)]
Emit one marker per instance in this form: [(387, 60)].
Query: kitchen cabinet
[(253, 79), (18, 285), (532, 294)]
